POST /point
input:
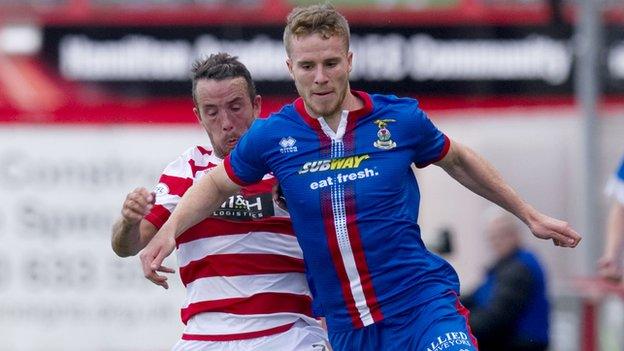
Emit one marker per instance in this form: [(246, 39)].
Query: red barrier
[(592, 291)]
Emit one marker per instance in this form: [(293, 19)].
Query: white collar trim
[(342, 127)]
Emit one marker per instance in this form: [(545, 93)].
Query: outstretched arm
[(199, 201), (610, 265), (131, 232), (478, 175)]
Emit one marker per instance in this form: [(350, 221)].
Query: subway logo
[(349, 162)]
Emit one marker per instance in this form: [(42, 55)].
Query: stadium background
[(94, 101)]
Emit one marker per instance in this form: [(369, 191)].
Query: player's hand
[(548, 228), (609, 268), (138, 203), (153, 256)]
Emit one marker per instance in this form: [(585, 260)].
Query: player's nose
[(226, 123), (320, 77)]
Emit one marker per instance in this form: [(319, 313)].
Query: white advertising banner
[(62, 187), (61, 285)]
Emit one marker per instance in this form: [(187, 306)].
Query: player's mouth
[(323, 93), (231, 142)]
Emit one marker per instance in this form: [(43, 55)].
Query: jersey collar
[(353, 115)]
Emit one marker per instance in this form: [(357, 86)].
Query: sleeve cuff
[(158, 216), (227, 163), (445, 149)]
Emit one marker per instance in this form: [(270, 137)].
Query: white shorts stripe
[(303, 336)]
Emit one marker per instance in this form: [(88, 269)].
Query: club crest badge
[(384, 140)]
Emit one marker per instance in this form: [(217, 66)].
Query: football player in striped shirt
[(343, 159), (242, 266)]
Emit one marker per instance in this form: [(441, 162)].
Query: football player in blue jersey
[(610, 265), (343, 159)]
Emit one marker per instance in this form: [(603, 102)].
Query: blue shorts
[(438, 325)]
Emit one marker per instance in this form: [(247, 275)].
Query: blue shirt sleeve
[(615, 186), (246, 163), (431, 145)]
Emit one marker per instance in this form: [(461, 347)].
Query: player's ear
[(289, 64), (350, 60), (197, 114), (257, 105)]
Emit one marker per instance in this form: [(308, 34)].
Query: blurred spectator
[(509, 310), (610, 265)]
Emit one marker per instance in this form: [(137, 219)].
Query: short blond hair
[(320, 19)]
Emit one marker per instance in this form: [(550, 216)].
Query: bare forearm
[(126, 238), (479, 176), (476, 174), (200, 201)]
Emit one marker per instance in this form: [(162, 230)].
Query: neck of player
[(350, 103)]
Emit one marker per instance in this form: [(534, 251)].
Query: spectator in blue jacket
[(510, 309)]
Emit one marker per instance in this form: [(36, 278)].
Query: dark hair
[(219, 67)]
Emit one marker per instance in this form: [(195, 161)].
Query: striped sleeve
[(175, 180)]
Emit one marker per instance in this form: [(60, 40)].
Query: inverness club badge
[(383, 135)]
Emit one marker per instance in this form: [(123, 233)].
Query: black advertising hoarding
[(469, 60), (612, 58)]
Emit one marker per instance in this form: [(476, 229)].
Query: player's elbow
[(123, 250)]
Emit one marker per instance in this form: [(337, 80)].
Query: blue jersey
[(615, 187), (354, 202)]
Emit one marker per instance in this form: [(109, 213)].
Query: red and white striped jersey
[(242, 267)]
